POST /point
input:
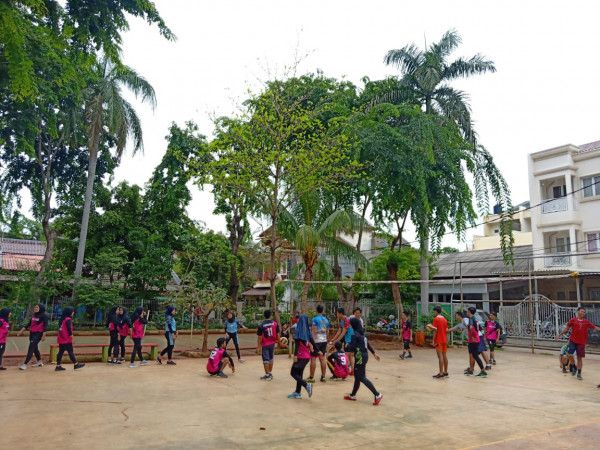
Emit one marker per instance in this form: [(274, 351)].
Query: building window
[(559, 191), (563, 245), (560, 296), (593, 242), (594, 295), (591, 186)]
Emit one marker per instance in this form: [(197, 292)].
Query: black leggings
[(233, 336), (114, 344), (361, 377), (170, 346), (34, 340), (137, 349), (2, 348), (122, 345), (297, 371), (62, 348)]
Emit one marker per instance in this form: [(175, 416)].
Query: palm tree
[(108, 112), (311, 226), (425, 77)]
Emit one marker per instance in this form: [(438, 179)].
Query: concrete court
[(525, 403)]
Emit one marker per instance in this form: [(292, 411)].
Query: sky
[(544, 94)]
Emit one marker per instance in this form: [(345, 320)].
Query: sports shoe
[(334, 378), (481, 374), (79, 366), (579, 377), (2, 368), (241, 360), (59, 368), (469, 373), (143, 363), (468, 369), (295, 395), (309, 389), (402, 355), (437, 375), (171, 363), (574, 371), (117, 361), (446, 375), (133, 365), (23, 367), (267, 377), (488, 367), (493, 361), (38, 364), (122, 359), (409, 356), (350, 397), (158, 360), (564, 369), (378, 399), (309, 380), (323, 380), (222, 375)]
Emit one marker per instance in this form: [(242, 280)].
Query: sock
[(579, 371)]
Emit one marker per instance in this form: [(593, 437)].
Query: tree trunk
[(393, 274), (205, 341), (236, 234), (89, 191), (308, 276), (337, 275), (425, 278), (272, 273)]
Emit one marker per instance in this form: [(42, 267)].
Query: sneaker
[(241, 360), (488, 367), (401, 356), (323, 380), (122, 359), (378, 399), (481, 374), (493, 361), (409, 356), (2, 368), (437, 375), (133, 365), (334, 378), (295, 395), (171, 363), (467, 370), (564, 369), (573, 371), (309, 380), (23, 367), (579, 377), (158, 360), (59, 368), (143, 363), (38, 364), (79, 366), (222, 375), (469, 373), (267, 377), (446, 375), (350, 397), (309, 389), (117, 361)]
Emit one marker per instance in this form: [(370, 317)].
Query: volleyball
[(283, 341), (429, 327)]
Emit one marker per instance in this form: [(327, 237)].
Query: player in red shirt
[(578, 339), (440, 341)]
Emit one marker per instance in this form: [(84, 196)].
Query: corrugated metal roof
[(480, 263), (21, 262), (22, 247), (255, 292), (589, 147)]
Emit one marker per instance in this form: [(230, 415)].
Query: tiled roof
[(21, 262), (22, 247), (480, 263), (589, 147)]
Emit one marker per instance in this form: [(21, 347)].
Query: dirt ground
[(525, 403)]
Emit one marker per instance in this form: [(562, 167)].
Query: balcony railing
[(556, 205), (558, 260)]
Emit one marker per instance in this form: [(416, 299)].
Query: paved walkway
[(525, 403)]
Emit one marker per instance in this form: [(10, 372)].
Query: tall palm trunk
[(89, 191)]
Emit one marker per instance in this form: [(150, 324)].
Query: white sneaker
[(143, 363), (38, 364), (133, 365), (23, 366)]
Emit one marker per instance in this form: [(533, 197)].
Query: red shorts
[(442, 347)]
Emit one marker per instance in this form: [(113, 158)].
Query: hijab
[(302, 331), (66, 312), (232, 319), (4, 313), (42, 310), (356, 325), (169, 311), (137, 313)]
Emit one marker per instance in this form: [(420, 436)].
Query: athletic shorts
[(320, 347), (219, 370), (482, 347), (492, 344), (406, 344), (268, 353), (474, 348), (572, 347), (442, 347)]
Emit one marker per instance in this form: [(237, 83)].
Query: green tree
[(106, 108), (277, 152)]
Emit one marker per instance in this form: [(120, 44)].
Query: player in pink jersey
[(268, 337), (219, 359), (4, 327), (65, 339), (304, 344)]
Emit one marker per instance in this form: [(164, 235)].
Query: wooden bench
[(54, 350)]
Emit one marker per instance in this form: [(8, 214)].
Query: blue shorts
[(482, 347), (268, 353)]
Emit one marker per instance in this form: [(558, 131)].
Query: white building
[(566, 227)]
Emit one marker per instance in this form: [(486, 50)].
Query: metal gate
[(548, 319)]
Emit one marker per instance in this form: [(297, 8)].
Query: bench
[(54, 350)]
